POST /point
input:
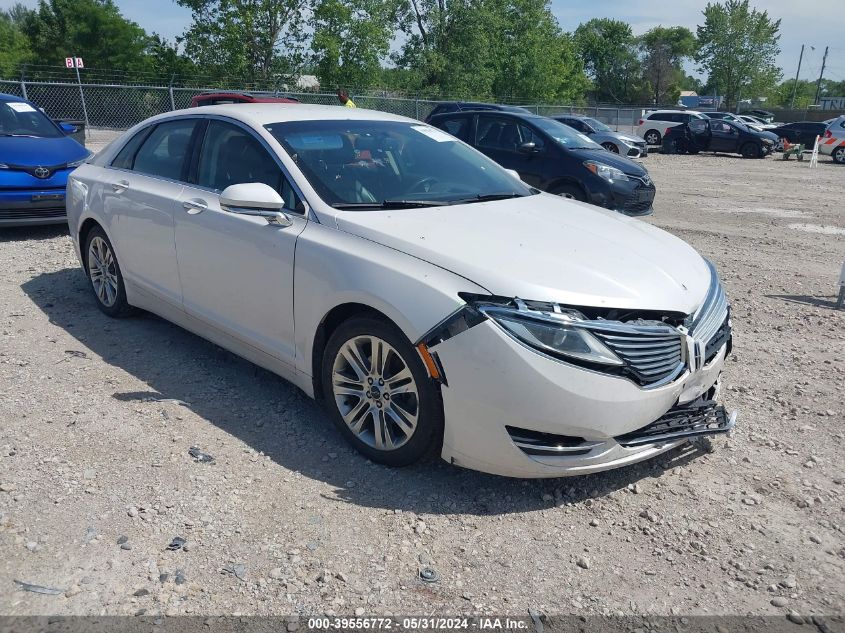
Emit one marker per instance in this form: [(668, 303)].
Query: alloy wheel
[(839, 155), (375, 392), (652, 138), (102, 270)]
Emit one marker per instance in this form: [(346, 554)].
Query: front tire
[(572, 192), (750, 150), (610, 147), (104, 274), (838, 155), (379, 394)]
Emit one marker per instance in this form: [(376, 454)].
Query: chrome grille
[(711, 315), (652, 355)]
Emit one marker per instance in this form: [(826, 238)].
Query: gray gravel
[(98, 417)]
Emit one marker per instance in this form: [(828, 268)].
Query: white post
[(81, 94)]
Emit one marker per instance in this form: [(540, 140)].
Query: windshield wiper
[(488, 197), (391, 204)]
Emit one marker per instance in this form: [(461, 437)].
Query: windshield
[(565, 135), (18, 118), (391, 163), (597, 125)]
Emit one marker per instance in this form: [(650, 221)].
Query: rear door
[(700, 133), (144, 182)]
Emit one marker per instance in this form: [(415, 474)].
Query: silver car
[(629, 145), (433, 302)]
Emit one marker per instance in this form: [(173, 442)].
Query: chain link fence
[(107, 109)]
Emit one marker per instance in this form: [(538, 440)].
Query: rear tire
[(379, 394), (838, 155), (653, 137), (104, 274)]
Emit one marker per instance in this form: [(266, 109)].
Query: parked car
[(754, 122), (654, 125), (36, 156), (630, 145), (432, 296), (553, 157), (460, 106), (833, 140), (708, 135), (764, 115), (800, 132), (222, 98)]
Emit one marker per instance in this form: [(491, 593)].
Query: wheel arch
[(329, 323)]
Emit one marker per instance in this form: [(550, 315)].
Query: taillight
[(642, 121), (828, 134)]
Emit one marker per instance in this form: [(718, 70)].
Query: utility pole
[(795, 87), (821, 75)]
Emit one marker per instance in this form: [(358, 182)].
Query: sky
[(816, 23)]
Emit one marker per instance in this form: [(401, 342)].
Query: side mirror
[(68, 128), (257, 199), (528, 148)]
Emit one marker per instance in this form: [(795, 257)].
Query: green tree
[(92, 29), (489, 48), (738, 46), (351, 40), (14, 46), (257, 41), (664, 51), (609, 51)]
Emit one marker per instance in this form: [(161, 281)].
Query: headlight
[(558, 335), (77, 163), (605, 171)]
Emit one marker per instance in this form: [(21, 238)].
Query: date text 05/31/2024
[(417, 623)]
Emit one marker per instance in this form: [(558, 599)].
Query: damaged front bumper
[(514, 412)]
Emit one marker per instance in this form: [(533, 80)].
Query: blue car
[(36, 156)]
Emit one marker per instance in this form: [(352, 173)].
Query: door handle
[(120, 186), (194, 206)]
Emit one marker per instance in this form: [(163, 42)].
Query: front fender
[(333, 268)]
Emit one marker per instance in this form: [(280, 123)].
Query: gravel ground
[(98, 417)]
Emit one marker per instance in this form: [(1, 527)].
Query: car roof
[(514, 113), (265, 113), (6, 98), (674, 111)]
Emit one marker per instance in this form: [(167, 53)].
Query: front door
[(500, 138), (725, 137), (237, 270)]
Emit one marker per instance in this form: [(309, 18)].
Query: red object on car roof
[(217, 98)]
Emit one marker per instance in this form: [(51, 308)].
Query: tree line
[(479, 49)]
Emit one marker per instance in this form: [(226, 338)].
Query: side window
[(659, 117), (231, 156), (126, 156), (698, 125), (530, 136), (489, 131), (458, 127), (163, 151)]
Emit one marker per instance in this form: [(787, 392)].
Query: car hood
[(546, 248), (604, 157), (629, 138), (32, 152)]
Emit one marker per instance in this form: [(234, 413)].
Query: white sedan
[(430, 299)]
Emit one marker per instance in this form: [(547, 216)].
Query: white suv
[(654, 125), (833, 141)]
